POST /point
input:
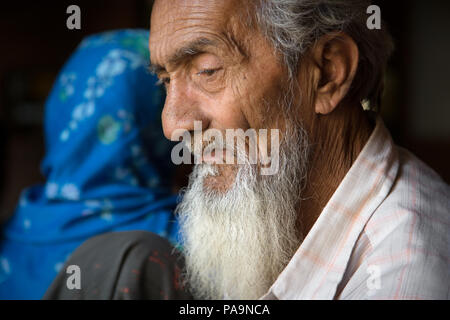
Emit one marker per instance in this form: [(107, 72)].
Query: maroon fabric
[(132, 265)]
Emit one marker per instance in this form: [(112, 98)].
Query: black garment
[(123, 265)]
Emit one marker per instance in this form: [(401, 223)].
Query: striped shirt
[(384, 234)]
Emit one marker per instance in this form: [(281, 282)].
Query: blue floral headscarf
[(107, 164)]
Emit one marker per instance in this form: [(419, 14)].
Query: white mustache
[(230, 151)]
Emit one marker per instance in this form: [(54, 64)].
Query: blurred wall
[(417, 97), (430, 70)]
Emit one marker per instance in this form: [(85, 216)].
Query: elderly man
[(348, 215)]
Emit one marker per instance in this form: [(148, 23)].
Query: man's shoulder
[(420, 181), (418, 205), (409, 232)]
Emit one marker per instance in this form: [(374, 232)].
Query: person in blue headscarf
[(107, 163)]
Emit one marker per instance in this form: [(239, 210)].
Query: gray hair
[(293, 26)]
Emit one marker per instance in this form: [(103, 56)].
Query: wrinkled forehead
[(176, 21)]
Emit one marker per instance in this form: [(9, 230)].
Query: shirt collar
[(318, 266)]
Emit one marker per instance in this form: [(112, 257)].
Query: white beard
[(237, 243)]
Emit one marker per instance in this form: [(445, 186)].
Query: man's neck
[(337, 140)]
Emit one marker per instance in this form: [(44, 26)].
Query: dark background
[(36, 43)]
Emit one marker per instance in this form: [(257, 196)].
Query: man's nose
[(180, 111)]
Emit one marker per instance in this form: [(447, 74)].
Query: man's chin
[(222, 181)]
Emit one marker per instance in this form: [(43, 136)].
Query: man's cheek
[(241, 100), (229, 110), (252, 94)]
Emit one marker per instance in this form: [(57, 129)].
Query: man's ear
[(336, 60)]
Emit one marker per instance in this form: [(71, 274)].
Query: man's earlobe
[(336, 55)]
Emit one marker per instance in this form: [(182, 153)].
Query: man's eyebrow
[(187, 51), (155, 68)]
